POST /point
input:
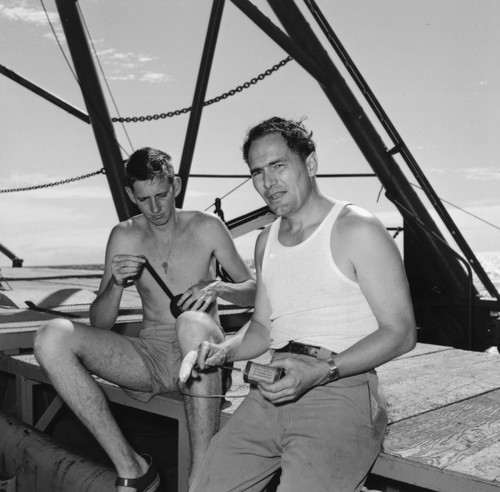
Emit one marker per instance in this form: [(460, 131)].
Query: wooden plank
[(429, 477), (423, 349), (416, 385), (452, 448), (461, 438), (170, 405)]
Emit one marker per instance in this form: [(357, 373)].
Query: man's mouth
[(275, 196)]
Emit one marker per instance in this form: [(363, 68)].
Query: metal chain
[(177, 112), (232, 92), (56, 183)]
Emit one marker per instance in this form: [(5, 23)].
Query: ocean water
[(490, 261)]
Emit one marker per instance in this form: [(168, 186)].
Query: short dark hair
[(148, 164), (298, 139)]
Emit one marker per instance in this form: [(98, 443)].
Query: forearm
[(104, 310), (250, 342), (374, 350), (241, 293)]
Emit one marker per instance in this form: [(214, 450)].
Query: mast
[(199, 97), (440, 281), (96, 106)]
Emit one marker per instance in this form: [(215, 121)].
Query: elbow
[(97, 321), (410, 340), (249, 300)]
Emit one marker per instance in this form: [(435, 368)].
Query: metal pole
[(199, 97), (306, 50), (401, 147), (96, 105), (43, 93)]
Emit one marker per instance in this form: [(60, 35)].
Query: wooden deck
[(444, 417), (444, 403)]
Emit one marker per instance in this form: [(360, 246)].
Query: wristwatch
[(333, 373)]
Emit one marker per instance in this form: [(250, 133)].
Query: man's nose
[(155, 205), (269, 179)]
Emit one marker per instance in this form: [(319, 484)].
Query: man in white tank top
[(332, 304)]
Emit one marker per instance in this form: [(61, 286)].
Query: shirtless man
[(332, 304), (182, 246)]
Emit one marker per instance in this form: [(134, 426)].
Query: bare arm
[(375, 263), (242, 291), (380, 274), (117, 269), (252, 339)]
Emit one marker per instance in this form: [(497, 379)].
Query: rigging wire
[(229, 192), (122, 120), (103, 74), (462, 209), (87, 99)]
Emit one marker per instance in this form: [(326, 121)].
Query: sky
[(433, 65)]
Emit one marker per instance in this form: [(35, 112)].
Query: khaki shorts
[(159, 350)]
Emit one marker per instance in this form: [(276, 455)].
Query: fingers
[(292, 385), (286, 389), (210, 355), (124, 267), (194, 300)]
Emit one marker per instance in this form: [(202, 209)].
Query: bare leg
[(70, 353), (193, 327)]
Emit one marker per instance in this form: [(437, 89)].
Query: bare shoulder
[(356, 223), (130, 227), (363, 235), (203, 223), (128, 233)]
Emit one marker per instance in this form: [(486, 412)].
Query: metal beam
[(45, 94), (401, 147), (96, 106), (199, 97), (303, 45)]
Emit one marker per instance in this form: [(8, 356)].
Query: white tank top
[(311, 300)]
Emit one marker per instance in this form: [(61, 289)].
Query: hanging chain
[(232, 92), (177, 112), (56, 183)]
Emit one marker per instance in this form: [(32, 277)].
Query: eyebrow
[(143, 197), (267, 164)]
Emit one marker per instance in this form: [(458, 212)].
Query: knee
[(197, 326), (51, 338)]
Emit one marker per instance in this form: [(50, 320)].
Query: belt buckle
[(301, 348)]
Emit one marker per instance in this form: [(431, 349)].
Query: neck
[(166, 230), (314, 210)]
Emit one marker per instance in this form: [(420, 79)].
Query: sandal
[(146, 483)]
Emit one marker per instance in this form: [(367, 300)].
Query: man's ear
[(312, 164), (130, 194), (177, 185)]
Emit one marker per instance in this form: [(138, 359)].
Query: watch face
[(334, 374)]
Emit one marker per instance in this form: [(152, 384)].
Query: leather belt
[(304, 349)]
